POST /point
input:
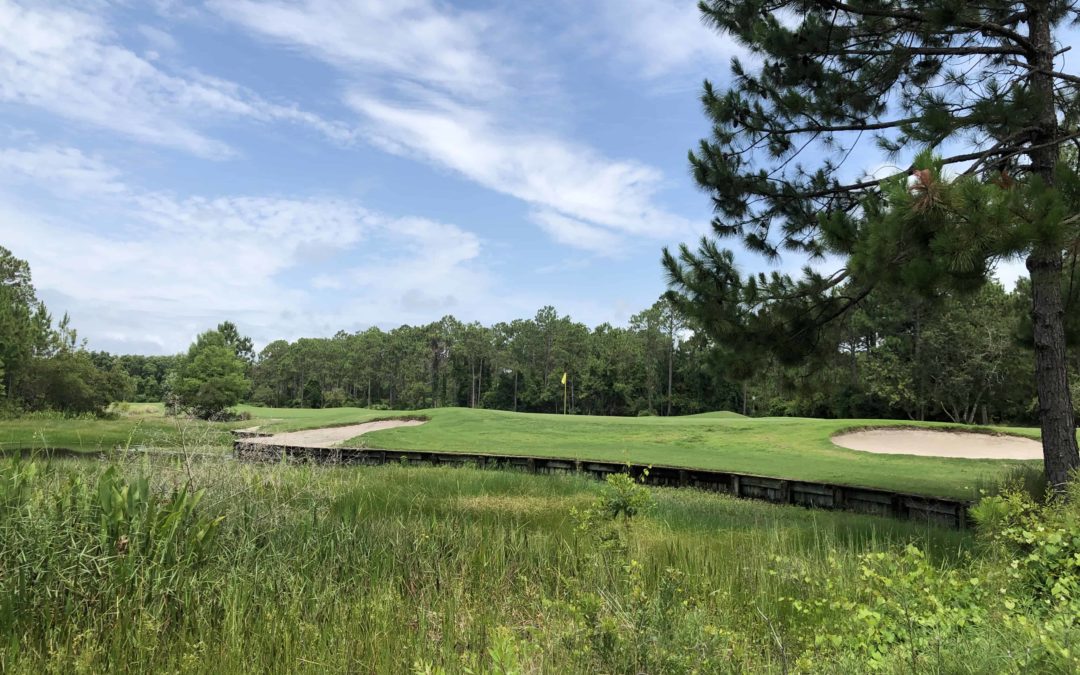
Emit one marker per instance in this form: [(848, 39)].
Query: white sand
[(928, 443), (330, 436)]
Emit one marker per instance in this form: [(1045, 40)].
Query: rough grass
[(397, 569)]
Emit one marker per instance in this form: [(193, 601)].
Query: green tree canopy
[(974, 83), (211, 377), (23, 320)]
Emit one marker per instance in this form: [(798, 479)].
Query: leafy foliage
[(212, 377), (971, 85)]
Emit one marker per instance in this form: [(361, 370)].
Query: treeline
[(960, 357), (45, 366), (652, 366)]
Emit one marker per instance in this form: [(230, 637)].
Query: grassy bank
[(157, 566), (281, 569)]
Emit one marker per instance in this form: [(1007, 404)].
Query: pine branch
[(981, 26)]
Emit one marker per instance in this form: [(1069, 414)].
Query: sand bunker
[(928, 443), (330, 437)]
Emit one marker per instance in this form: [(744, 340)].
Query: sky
[(301, 167)]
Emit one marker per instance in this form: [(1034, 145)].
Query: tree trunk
[(1051, 380), (670, 359), (920, 372), (1044, 264), (515, 389)]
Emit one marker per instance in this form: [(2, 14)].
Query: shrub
[(211, 378)]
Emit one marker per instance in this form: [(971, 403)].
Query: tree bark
[(1044, 264), (670, 359), (1051, 381)]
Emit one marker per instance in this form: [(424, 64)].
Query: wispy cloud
[(71, 64), (578, 234), (176, 264), (413, 41), (544, 171), (432, 83), (656, 39)]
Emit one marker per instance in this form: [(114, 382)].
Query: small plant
[(609, 517)]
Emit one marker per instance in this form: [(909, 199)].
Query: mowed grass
[(130, 426), (397, 569), (794, 448)]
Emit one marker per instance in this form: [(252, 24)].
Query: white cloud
[(68, 166), (71, 64), (542, 170), (659, 38), (158, 40), (169, 265), (411, 40), (578, 234), (1011, 270), (434, 83)]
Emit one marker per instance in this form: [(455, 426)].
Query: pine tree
[(975, 84)]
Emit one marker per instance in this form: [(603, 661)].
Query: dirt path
[(330, 437), (928, 443)]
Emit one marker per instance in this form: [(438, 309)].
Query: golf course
[(622, 337), (789, 448)]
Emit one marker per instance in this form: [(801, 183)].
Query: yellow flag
[(564, 378)]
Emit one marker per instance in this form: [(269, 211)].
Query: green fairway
[(786, 447), (796, 448), (143, 425)]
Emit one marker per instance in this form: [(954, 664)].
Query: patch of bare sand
[(330, 437), (929, 443)]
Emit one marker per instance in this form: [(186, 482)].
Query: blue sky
[(301, 167)]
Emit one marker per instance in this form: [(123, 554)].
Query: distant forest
[(962, 358)]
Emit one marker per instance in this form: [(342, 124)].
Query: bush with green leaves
[(211, 378), (1015, 607)]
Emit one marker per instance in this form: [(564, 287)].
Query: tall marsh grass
[(158, 565)]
